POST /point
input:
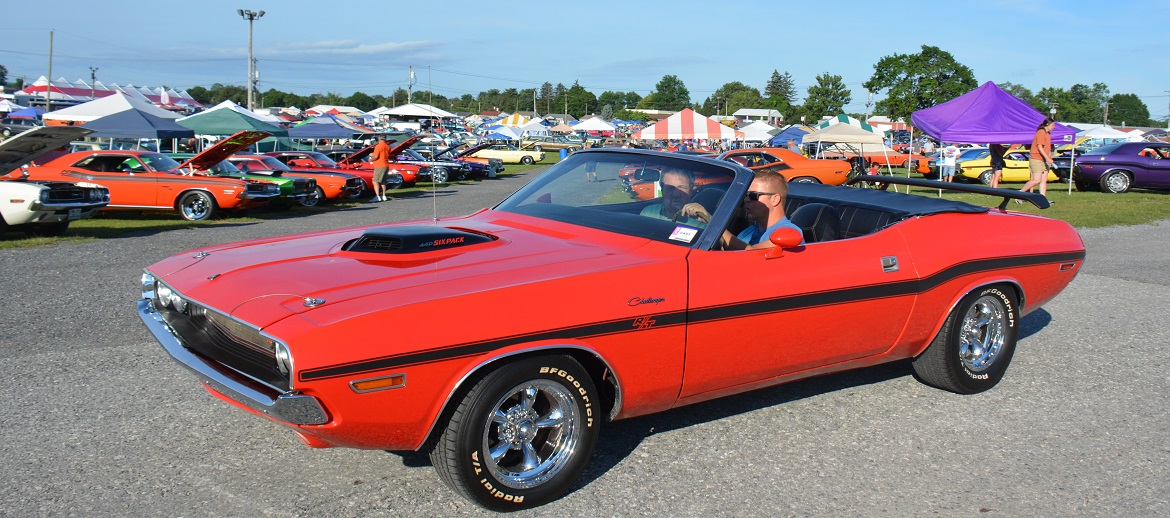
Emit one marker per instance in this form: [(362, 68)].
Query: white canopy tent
[(594, 124), (108, 105), (419, 110), (534, 128), (757, 132), (843, 139), (1108, 133), (687, 124)]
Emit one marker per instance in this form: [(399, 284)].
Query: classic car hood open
[(223, 149), (262, 282), (30, 145)]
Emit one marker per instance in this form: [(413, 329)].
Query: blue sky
[(469, 47)]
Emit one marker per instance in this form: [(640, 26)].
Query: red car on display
[(317, 161), (330, 185), (793, 166), (609, 314), (360, 160), (145, 180)]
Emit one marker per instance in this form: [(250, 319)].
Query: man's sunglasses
[(755, 195)]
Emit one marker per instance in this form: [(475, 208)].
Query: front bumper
[(289, 407), (58, 212)]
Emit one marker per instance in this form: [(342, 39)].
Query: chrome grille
[(224, 340)]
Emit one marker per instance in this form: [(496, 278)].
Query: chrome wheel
[(314, 199), (984, 330), (532, 434), (196, 206), (526, 160), (439, 175)]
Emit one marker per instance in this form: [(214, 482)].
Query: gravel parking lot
[(101, 422)]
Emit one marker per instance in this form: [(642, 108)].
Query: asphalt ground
[(98, 421)]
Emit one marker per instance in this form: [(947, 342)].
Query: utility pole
[(868, 102), (49, 87), (1105, 120), (92, 81), (409, 83), (251, 17)]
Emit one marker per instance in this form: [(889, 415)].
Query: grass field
[(1081, 209)]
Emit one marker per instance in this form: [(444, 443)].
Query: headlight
[(45, 196), (284, 361)]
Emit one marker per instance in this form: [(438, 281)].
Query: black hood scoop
[(413, 239)]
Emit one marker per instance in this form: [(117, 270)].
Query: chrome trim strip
[(289, 407)]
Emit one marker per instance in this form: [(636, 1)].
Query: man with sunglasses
[(764, 207), (678, 186)]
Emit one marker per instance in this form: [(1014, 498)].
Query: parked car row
[(221, 179)]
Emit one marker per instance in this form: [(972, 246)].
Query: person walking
[(1040, 158), (997, 163), (380, 157)]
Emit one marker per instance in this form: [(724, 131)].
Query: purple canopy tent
[(986, 115)]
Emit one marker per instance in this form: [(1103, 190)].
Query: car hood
[(30, 145), (334, 275), (224, 149), (450, 153)]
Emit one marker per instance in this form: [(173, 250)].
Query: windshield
[(158, 162), (322, 159), (225, 168), (620, 192), (973, 153), (410, 154)]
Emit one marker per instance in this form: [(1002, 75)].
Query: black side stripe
[(738, 310)]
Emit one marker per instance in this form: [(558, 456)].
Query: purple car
[(1122, 166)]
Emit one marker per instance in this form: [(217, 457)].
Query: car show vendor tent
[(224, 120), (137, 124), (687, 124), (985, 115), (93, 110), (594, 124)]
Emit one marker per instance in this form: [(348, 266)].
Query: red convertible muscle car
[(613, 314)]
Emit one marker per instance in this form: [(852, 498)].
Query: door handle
[(889, 264)]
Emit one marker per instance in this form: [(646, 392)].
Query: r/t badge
[(643, 323)]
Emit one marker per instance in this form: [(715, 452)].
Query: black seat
[(820, 222), (709, 198)]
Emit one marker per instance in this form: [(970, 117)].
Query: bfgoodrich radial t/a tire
[(975, 346), (522, 435)]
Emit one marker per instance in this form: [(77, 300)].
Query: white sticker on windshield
[(684, 234)]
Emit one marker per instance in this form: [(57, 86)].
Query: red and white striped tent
[(687, 124)]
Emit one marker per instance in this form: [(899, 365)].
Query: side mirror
[(785, 237)]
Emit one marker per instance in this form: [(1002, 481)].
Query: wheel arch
[(184, 192), (599, 370), (1017, 290)]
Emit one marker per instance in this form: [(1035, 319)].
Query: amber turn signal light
[(383, 383)]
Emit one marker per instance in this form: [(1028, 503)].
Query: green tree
[(201, 94), (629, 115), (781, 87), (827, 97), (669, 94), (615, 99), (632, 100), (606, 112), (1129, 110), (581, 101), (546, 95), (731, 97), (3, 75), (361, 101), (913, 82)]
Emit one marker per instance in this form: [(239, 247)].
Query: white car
[(43, 208)]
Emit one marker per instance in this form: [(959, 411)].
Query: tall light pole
[(247, 14), (92, 82)]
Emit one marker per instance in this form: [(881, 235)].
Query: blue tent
[(790, 133), (499, 136), (136, 124), (32, 112)]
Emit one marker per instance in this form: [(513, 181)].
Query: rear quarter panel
[(956, 253)]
